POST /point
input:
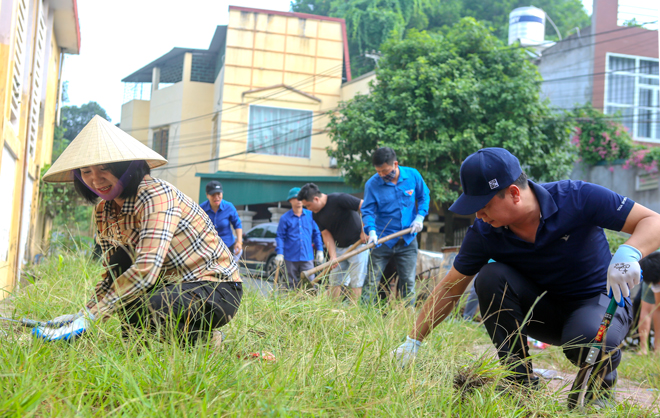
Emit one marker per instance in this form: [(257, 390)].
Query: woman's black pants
[(512, 309), (186, 310)]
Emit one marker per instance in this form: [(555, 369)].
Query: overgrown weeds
[(331, 360)]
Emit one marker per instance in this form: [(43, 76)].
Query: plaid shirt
[(171, 238)]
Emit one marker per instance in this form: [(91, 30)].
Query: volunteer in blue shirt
[(223, 215), (296, 232), (388, 207), (553, 269)]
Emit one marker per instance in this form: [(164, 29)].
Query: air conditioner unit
[(333, 162)]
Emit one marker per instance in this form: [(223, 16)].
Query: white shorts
[(350, 272)]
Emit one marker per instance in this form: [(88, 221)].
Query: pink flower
[(591, 141), (611, 169)]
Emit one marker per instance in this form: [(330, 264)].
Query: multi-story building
[(250, 110), (613, 66), (34, 36)]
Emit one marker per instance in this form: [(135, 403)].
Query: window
[(161, 139), (631, 88), (278, 131), (256, 233), (271, 231)]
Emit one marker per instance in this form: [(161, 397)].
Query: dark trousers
[(405, 260), (293, 270), (187, 310), (506, 298)]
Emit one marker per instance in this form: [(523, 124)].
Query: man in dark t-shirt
[(337, 216)]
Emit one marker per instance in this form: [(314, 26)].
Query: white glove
[(417, 225), (279, 260), (623, 273), (319, 257), (406, 352), (372, 237), (67, 319)]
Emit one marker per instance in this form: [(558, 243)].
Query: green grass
[(332, 360)]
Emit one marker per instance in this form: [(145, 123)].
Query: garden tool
[(588, 373), (25, 322)]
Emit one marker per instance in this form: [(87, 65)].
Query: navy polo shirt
[(571, 255), (222, 219)]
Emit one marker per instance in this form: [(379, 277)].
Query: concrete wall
[(619, 180), (559, 66), (135, 119)]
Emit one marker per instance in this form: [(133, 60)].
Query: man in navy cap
[(223, 215), (553, 269)]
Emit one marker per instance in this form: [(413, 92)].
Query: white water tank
[(527, 24)]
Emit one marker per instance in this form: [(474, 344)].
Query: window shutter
[(19, 58), (37, 77)]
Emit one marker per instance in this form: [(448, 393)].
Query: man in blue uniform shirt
[(296, 232), (552, 265), (388, 207), (223, 215)]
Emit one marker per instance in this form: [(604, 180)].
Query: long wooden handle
[(348, 254)]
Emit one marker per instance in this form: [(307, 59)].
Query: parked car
[(259, 249)]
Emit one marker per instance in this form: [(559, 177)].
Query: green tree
[(439, 98), (75, 118), (371, 22)]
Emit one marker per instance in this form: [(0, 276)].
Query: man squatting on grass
[(551, 257), (166, 268), (296, 232), (337, 216), (389, 206)]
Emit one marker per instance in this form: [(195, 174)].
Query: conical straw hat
[(100, 142)]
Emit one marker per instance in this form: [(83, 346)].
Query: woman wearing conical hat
[(166, 268)]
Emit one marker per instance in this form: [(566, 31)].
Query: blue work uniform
[(222, 219), (389, 208), (560, 277), (295, 235)]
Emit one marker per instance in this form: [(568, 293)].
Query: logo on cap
[(493, 184)]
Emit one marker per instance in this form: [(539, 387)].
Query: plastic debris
[(548, 374), (264, 355), (537, 344)]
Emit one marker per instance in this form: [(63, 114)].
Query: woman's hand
[(238, 247)]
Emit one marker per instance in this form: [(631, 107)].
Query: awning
[(253, 189)]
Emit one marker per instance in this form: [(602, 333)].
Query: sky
[(122, 36)]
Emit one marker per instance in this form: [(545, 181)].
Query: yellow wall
[(357, 86), (267, 50), (135, 119), (15, 138)]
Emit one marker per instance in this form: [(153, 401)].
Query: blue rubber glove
[(406, 352), (417, 225), (66, 332), (623, 273)]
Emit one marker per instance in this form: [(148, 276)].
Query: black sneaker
[(603, 398), (519, 383)]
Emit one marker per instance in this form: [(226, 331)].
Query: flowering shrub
[(599, 138), (645, 158)]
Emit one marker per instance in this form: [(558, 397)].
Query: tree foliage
[(75, 118), (371, 22), (438, 99)]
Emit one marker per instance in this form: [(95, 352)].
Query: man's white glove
[(623, 273), (66, 332), (372, 237), (67, 319), (319, 257), (417, 225), (406, 352), (279, 260)]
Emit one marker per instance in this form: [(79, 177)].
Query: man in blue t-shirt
[(395, 198), (553, 269), (296, 232), (223, 215)]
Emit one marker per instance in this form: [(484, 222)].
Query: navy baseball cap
[(213, 187), (483, 174)]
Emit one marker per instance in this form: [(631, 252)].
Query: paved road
[(263, 286)]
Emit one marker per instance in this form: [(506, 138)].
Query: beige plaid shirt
[(170, 236)]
